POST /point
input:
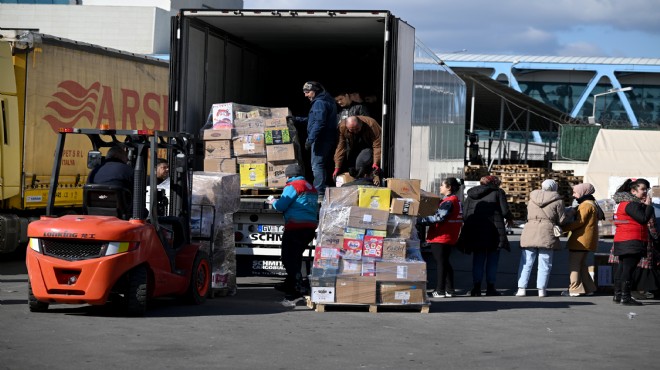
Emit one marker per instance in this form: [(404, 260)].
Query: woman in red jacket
[(444, 228), (631, 217)]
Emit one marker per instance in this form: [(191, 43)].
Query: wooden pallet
[(373, 308)]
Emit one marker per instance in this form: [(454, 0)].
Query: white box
[(323, 294)]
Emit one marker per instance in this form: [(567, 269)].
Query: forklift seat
[(107, 200), (173, 230)]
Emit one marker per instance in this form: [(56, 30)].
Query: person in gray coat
[(544, 211)]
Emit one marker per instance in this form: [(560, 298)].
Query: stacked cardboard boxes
[(367, 250), (255, 142)]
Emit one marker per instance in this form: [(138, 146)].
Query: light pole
[(592, 119)]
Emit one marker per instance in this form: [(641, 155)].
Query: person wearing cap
[(358, 136), (321, 131), (583, 239), (544, 210), (299, 204), (363, 173)]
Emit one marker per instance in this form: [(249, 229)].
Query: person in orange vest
[(444, 229)]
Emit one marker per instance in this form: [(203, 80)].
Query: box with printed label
[(330, 240), (405, 188), (366, 218), (253, 175), (217, 149), (219, 134), (374, 197), (249, 144), (256, 124), (394, 249), (402, 293), (428, 203), (368, 267), (276, 176), (400, 271), (282, 152), (372, 245), (275, 122), (223, 115), (355, 289), (400, 226), (326, 257), (226, 165), (404, 206), (350, 267), (347, 196), (353, 239), (277, 135), (323, 294)]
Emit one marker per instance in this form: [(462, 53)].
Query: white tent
[(621, 154)]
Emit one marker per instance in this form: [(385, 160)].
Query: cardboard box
[(324, 272), (277, 135), (276, 176), (405, 188), (323, 281), (428, 203), (323, 294), (326, 257), (217, 149), (253, 175), (279, 113), (251, 160), (374, 197), (334, 221), (394, 249), (402, 293), (355, 289), (227, 165), (372, 245), (365, 218), (344, 178), (282, 152), (353, 239), (330, 241), (404, 206), (400, 271), (368, 267), (255, 124), (350, 267), (250, 144), (400, 226), (223, 115), (347, 196), (217, 134), (655, 191), (275, 121)]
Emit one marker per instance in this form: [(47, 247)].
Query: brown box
[(253, 123), (350, 267), (394, 249), (276, 176), (367, 218), (347, 196), (217, 134), (217, 149), (330, 241), (249, 144), (402, 293), (227, 165), (282, 152), (405, 188), (334, 221), (251, 160), (400, 226), (355, 289), (275, 122), (655, 192), (280, 113), (343, 178), (428, 203), (404, 206), (400, 271)]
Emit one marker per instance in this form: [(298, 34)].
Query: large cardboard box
[(350, 267), (276, 176), (219, 134), (347, 196), (394, 249), (428, 203), (355, 289), (402, 293), (400, 271), (227, 165), (282, 152), (275, 122), (249, 144), (400, 226), (254, 124), (277, 135), (217, 149), (366, 218), (404, 206), (374, 197), (334, 221), (405, 188), (253, 175)]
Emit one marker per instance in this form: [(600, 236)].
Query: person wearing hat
[(544, 211), (358, 136), (321, 131), (363, 172), (299, 204)]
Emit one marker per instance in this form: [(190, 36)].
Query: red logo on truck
[(73, 105)]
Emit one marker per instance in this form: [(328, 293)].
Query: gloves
[(334, 174), (375, 167), (308, 145)]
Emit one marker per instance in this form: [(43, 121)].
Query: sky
[(590, 28)]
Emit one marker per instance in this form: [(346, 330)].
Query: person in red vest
[(631, 217), (444, 229)]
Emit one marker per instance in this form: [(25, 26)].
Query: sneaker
[(521, 292), (566, 293), (435, 294), (449, 294), (542, 293)]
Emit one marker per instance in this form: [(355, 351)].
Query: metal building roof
[(461, 57)]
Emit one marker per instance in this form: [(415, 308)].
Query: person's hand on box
[(335, 173)]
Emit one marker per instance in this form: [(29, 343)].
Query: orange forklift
[(119, 250)]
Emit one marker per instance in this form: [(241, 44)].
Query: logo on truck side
[(72, 104)]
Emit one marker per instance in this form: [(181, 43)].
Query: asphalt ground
[(252, 329)]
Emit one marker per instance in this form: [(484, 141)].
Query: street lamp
[(592, 119)]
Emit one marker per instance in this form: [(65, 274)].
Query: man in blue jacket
[(321, 132), (299, 203)]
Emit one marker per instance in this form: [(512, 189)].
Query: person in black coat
[(486, 216)]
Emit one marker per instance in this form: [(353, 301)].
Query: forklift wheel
[(136, 293), (200, 279), (34, 304)]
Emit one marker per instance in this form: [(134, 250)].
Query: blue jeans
[(491, 260), (321, 163), (527, 263)]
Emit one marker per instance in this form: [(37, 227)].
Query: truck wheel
[(136, 293), (34, 304), (200, 279)]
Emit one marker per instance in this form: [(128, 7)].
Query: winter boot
[(491, 291), (626, 299), (476, 291), (617, 293)]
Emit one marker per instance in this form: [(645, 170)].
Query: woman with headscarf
[(544, 211), (484, 231), (583, 239)]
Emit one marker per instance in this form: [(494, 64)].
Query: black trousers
[(445, 278), (625, 269), (294, 243)]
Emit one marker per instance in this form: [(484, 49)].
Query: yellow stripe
[(123, 247)]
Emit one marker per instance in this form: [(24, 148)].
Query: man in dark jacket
[(321, 131), (349, 107), (114, 170)]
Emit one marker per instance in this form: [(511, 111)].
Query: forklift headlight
[(120, 247), (35, 244)]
